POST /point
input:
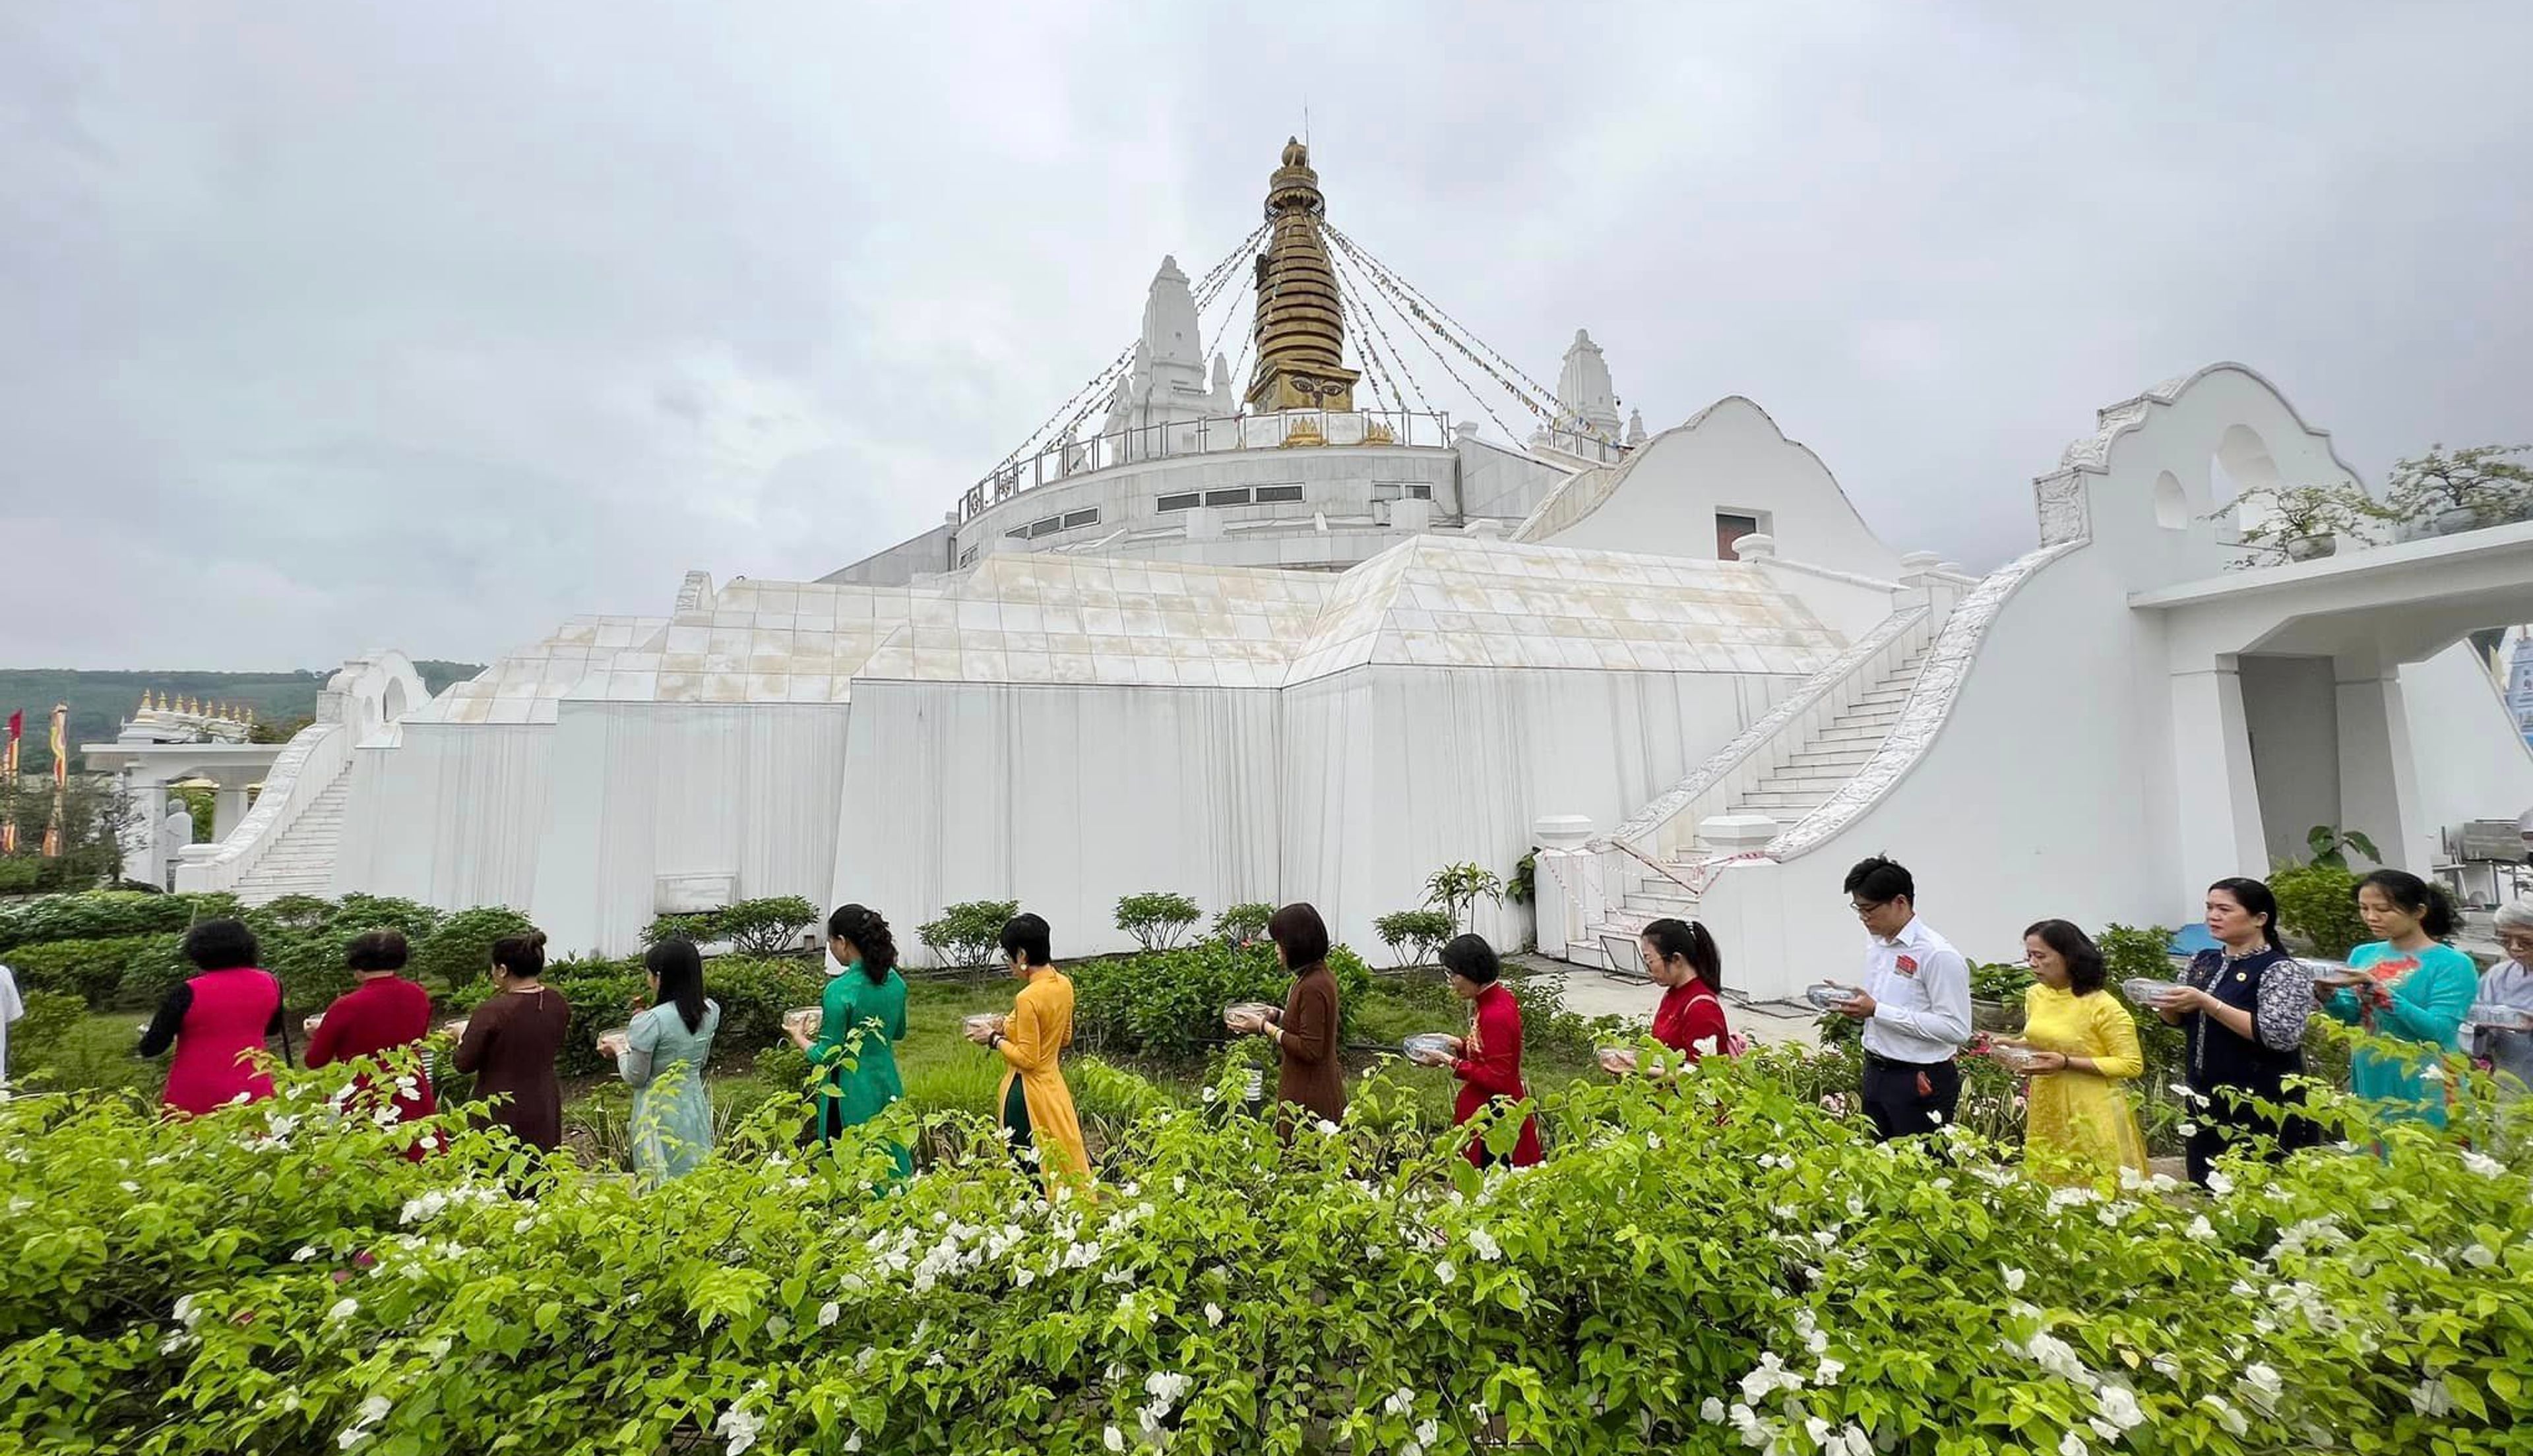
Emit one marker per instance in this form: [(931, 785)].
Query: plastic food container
[(456, 1028), (2499, 1017), (2013, 1058), (802, 1019), (1241, 1015), (1828, 995), (1616, 1058), (2146, 991), (1428, 1044), (616, 1035), (2335, 974), (983, 1020), (310, 1026)]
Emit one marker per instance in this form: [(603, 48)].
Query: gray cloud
[(331, 327)]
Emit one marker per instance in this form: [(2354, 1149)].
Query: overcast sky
[(327, 325)]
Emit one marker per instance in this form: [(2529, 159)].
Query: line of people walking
[(2242, 1005)]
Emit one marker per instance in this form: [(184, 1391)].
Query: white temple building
[(1311, 641)]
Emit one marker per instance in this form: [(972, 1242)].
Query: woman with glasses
[(2503, 1040)]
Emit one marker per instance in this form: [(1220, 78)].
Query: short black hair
[(378, 949), (1028, 936), (222, 945), (1472, 960), (1880, 881), (1298, 928)]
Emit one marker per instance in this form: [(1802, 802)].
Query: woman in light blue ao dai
[(663, 1061)]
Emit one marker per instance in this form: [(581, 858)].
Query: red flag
[(17, 724)]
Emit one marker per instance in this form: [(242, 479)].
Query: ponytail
[(870, 937), (522, 956), (1689, 940), (2424, 898)]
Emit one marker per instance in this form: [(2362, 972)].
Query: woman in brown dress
[(511, 1043), (1308, 1074)]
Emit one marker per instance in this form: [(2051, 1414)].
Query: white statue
[(175, 832)]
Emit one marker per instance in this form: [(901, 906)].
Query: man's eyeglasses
[(1864, 908)]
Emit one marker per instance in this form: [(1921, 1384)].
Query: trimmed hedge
[(1170, 1002), (96, 970), (753, 996), (104, 914)]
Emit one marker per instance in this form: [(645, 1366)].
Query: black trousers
[(1907, 1101)]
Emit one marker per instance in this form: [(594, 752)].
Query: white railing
[(309, 764), (1669, 824), (1582, 445), (1281, 430)]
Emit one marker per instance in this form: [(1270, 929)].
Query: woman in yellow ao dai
[(2082, 1045)]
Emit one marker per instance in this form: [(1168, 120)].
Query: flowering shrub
[(1713, 1266)]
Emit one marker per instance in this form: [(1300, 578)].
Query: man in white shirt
[(1916, 1006)]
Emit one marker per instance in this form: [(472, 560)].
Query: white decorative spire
[(1586, 398), (1635, 427)]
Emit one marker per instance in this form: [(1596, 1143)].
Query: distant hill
[(99, 702)]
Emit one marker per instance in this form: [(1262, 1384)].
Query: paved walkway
[(1600, 992)]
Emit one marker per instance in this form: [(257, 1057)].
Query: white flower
[(1485, 1245), (175, 1342), (350, 1436), (2483, 1164), (1213, 1312), (1769, 1376), (2120, 1406), (2186, 1130), (2014, 1281), (2200, 1229), (1829, 1371), (2218, 1182), (1818, 1429), (2226, 1416), (2072, 1444), (1427, 1429), (303, 1254), (852, 1442), (1935, 1117), (1712, 1412), (2433, 1071), (2264, 1384), (739, 1428), (1328, 1127), (1114, 1438), (2430, 1399), (829, 1312), (1444, 1273), (2166, 1367), (343, 1309), (1208, 1095), (1402, 1402), (2479, 1255)]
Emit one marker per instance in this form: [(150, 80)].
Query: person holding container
[(2243, 1003), (1307, 1073), (217, 1022), (662, 1058), (1487, 1061), (382, 1013), (1916, 1006), (2416, 987), (2078, 1045), (860, 1018), (511, 1043), (1036, 1105), (2502, 1018)]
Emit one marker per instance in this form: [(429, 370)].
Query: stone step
[(1802, 785), (1845, 759)]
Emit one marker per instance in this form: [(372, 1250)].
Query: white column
[(2379, 786), (2219, 802), (227, 808), (146, 797)]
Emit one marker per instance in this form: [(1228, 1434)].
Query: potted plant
[(2308, 521), (2463, 489)]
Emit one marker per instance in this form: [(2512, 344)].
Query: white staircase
[(1785, 794), (302, 861)]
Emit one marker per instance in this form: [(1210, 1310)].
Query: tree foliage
[(2485, 480), (968, 934), (1156, 918), (1415, 936)]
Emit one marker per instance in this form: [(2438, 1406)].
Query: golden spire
[(1300, 332)]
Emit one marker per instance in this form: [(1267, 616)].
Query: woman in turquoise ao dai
[(2418, 988), (861, 1018), (662, 1058)]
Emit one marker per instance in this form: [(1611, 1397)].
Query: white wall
[(2472, 764), (645, 790), (901, 563), (1063, 798), (1501, 483), (450, 815), (1731, 458), (1393, 772), (2291, 708)]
